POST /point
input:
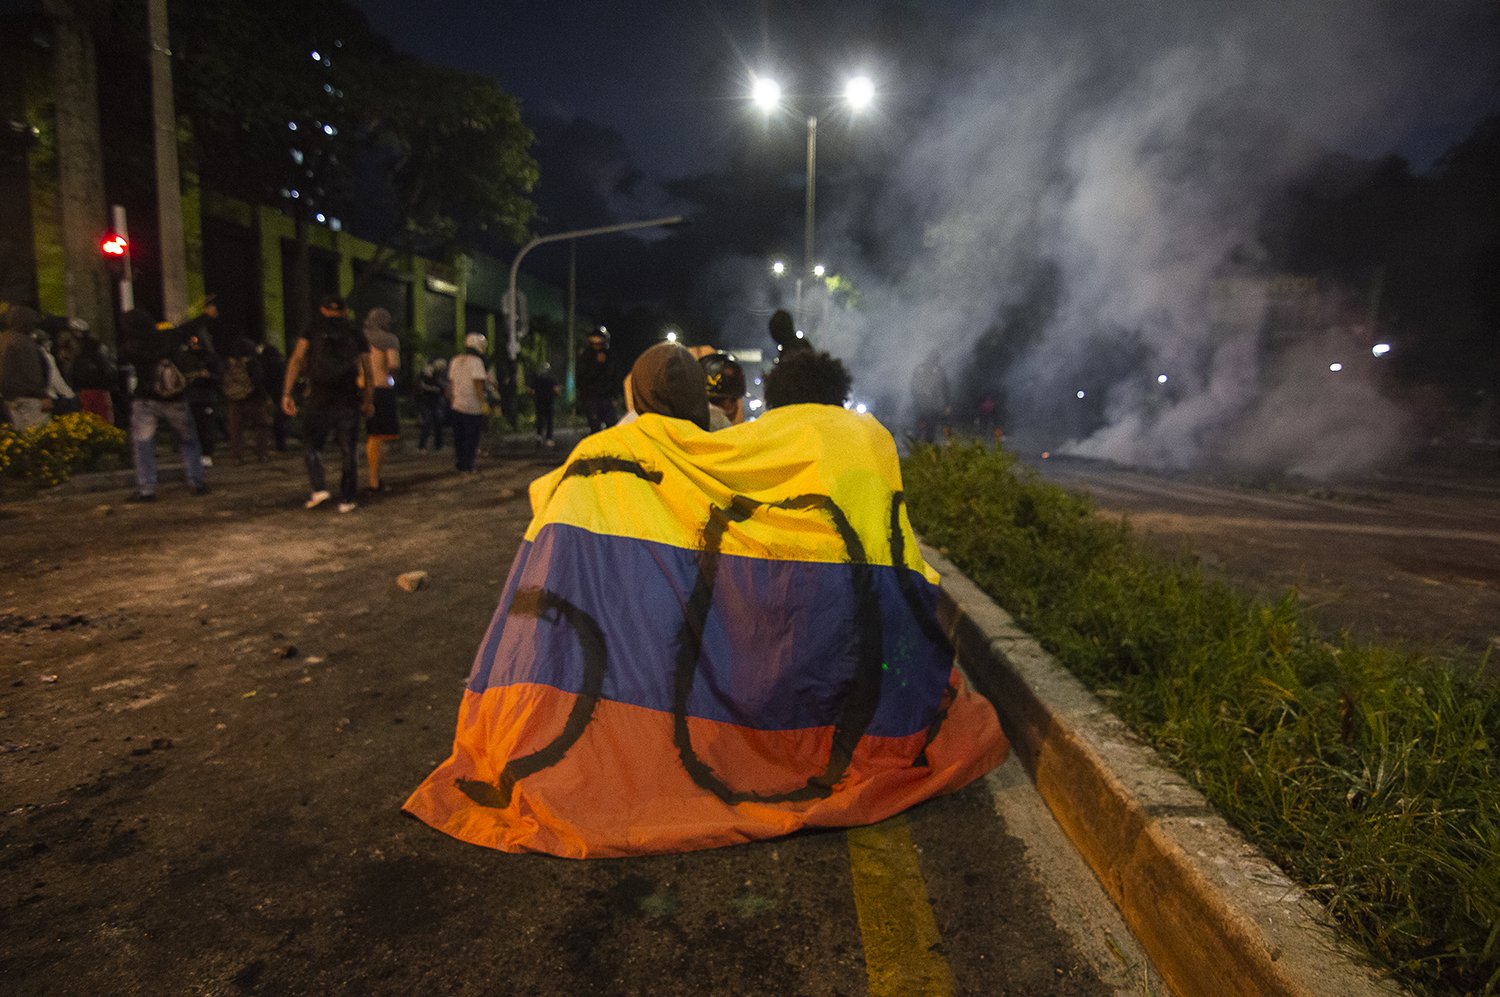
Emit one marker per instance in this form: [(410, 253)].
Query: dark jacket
[(23, 372)]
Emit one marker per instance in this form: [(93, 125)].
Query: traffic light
[(116, 251)]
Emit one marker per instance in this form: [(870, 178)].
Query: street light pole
[(515, 265), (812, 187)]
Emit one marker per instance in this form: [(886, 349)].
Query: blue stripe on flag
[(778, 645)]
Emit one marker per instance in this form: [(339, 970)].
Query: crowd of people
[(338, 379)]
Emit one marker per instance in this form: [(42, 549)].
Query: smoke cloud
[(1077, 211)]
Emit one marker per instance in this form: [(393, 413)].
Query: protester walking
[(467, 384), (248, 397), (23, 371), (594, 373), (156, 352), (385, 360), (204, 372), (335, 357), (432, 403), (544, 392)]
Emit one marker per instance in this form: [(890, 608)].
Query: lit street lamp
[(766, 93)]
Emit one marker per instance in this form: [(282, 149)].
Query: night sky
[(670, 77)]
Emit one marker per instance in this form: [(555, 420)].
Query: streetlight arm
[(515, 265)]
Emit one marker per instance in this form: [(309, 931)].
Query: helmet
[(725, 376)]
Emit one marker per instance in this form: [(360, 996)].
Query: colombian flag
[(706, 639)]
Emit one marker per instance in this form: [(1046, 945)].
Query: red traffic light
[(114, 245)]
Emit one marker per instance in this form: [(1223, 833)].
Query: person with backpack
[(249, 399), (156, 351), (340, 388), (204, 372)]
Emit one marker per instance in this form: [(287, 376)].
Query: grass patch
[(1368, 773)]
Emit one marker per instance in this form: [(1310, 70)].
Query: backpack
[(333, 360), (238, 384), (167, 382)]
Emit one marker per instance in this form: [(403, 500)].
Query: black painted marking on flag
[(549, 606), (863, 696), (907, 583), (588, 466)]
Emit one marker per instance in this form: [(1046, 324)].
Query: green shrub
[(50, 453), (1368, 773)]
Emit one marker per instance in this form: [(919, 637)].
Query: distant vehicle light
[(1380, 349), (1161, 379), (1335, 367)]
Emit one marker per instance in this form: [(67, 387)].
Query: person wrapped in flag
[(707, 639)]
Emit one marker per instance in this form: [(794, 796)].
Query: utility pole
[(571, 360), (168, 179)]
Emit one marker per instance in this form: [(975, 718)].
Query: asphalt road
[(212, 709), (1409, 556)]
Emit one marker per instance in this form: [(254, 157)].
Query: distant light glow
[(1046, 455), (1380, 349), (755, 404), (1081, 393), (330, 130), (1161, 379), (317, 56), (321, 217), (335, 224), (859, 92), (757, 380), (819, 270), (296, 194), (297, 156), (765, 91), (1335, 367), (778, 268), (291, 126), (861, 408), (799, 334), (671, 335)]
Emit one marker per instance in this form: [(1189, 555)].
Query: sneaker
[(348, 506), (208, 461), (141, 497), (199, 489), (317, 499)]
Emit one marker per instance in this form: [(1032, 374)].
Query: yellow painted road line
[(903, 953)]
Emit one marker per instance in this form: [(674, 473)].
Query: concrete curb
[(1214, 914)]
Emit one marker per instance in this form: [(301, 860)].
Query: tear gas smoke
[(1079, 212)]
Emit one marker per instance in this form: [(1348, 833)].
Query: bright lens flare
[(859, 92), (765, 92)]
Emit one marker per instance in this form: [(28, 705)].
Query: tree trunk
[(81, 167)]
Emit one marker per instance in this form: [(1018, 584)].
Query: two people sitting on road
[(711, 638)]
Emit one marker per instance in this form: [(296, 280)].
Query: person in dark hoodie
[(160, 390), (666, 380)]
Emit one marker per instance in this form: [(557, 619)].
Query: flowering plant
[(50, 453)]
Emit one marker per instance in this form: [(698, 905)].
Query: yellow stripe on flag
[(903, 952)]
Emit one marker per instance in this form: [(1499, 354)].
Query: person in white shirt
[(467, 379)]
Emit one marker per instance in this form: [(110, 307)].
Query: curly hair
[(808, 376)]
